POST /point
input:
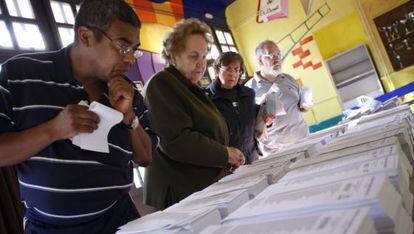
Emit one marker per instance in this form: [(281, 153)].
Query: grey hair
[(259, 48), (101, 13), (174, 42)]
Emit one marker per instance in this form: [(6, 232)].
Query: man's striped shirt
[(63, 182)]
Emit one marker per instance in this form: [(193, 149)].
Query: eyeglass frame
[(230, 69), (121, 49), (272, 56)]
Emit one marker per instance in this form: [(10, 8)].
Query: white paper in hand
[(306, 100), (98, 140), (273, 104)]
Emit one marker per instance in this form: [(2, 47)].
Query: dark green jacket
[(192, 152)]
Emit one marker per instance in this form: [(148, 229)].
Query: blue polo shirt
[(63, 183)]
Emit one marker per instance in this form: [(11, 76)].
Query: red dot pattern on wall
[(301, 53)]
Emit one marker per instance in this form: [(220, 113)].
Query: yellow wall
[(241, 18), (152, 36), (348, 24), (334, 39), (368, 10)]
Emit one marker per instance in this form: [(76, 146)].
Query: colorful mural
[(169, 12)]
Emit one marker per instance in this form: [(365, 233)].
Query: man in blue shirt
[(66, 189)]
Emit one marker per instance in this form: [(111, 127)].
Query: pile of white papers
[(347, 221)]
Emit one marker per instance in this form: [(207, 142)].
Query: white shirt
[(286, 129)]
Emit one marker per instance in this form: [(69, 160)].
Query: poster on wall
[(271, 9)]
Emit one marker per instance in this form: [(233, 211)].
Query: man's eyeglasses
[(230, 69), (272, 56), (122, 48)]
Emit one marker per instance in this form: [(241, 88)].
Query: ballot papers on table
[(174, 221), (375, 191), (360, 140), (98, 139), (226, 203), (252, 184), (272, 169), (347, 168), (346, 221)]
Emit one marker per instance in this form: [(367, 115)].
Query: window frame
[(207, 77), (44, 20)]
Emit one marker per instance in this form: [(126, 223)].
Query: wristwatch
[(134, 124)]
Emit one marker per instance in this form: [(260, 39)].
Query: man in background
[(64, 188), (285, 129)]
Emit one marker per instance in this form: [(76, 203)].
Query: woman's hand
[(236, 158), (268, 118)]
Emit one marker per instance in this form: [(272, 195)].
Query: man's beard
[(276, 70)]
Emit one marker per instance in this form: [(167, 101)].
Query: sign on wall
[(271, 9)]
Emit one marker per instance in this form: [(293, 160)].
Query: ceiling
[(168, 12)]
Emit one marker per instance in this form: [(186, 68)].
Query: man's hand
[(121, 96), (72, 120), (268, 118)]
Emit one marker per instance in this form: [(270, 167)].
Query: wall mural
[(146, 66), (303, 54)]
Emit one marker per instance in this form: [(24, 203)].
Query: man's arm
[(141, 145), (121, 97), (16, 147)]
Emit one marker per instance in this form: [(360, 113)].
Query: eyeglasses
[(122, 48), (230, 69), (271, 56)]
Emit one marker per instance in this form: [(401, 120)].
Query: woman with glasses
[(236, 103), (193, 151)]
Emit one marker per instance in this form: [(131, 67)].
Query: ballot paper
[(306, 99), (98, 139), (272, 170), (183, 221), (375, 191), (270, 103), (226, 203), (378, 148), (351, 167), (347, 221), (253, 184)]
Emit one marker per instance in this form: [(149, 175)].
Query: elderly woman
[(236, 103), (193, 151)]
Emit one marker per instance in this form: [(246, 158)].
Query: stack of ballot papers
[(226, 203), (272, 169), (347, 221), (352, 167), (375, 191), (252, 184), (351, 178), (183, 221)]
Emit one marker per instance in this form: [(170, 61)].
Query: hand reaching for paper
[(236, 158), (121, 96), (268, 118), (72, 120)]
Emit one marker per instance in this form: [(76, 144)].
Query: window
[(64, 16), (20, 8), (5, 39), (35, 41), (225, 41), (17, 21), (34, 25)]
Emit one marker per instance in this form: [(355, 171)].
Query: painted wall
[(368, 10), (241, 18), (334, 39), (152, 35)]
